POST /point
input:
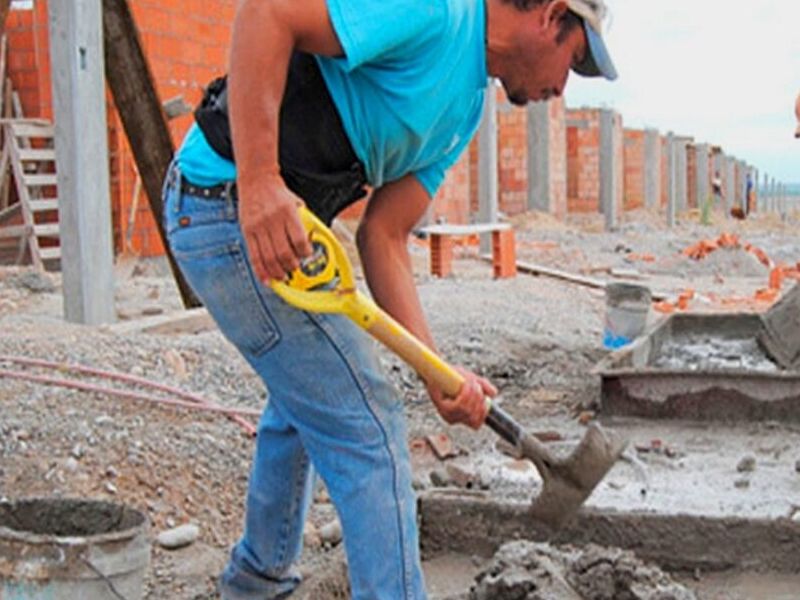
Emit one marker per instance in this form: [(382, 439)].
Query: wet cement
[(525, 570), (706, 353), (66, 518)]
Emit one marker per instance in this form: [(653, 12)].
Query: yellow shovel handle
[(426, 362)]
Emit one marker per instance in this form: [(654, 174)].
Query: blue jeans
[(329, 406)]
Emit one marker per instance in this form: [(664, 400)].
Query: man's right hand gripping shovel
[(325, 283)]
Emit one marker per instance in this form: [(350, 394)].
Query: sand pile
[(530, 571)]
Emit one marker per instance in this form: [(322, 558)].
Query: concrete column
[(652, 168), (79, 107), (610, 167), (672, 176), (539, 157), (488, 187), (773, 193), (703, 182), (730, 186)]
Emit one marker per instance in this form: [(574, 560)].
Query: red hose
[(193, 401)]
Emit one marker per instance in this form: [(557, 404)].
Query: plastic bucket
[(627, 308), (65, 549)]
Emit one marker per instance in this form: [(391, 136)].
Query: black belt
[(215, 192)]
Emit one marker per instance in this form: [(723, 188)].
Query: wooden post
[(128, 76), (5, 6)]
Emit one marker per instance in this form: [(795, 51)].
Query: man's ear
[(554, 13)]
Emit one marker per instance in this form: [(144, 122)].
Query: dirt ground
[(537, 338)]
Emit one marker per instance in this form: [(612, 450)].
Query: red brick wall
[(583, 161), (28, 59), (186, 46), (691, 175), (634, 143), (512, 155)]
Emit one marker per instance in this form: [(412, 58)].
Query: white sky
[(726, 72)]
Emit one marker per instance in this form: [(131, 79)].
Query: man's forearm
[(392, 213), (387, 267)]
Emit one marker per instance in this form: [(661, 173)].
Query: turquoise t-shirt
[(409, 89)]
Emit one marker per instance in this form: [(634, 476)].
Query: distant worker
[(750, 196)]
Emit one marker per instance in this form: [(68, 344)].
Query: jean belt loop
[(229, 193), (175, 175)]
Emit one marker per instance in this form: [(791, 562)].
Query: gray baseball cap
[(597, 61)]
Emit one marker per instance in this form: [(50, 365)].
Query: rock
[(71, 464), (797, 466), (110, 487), (747, 464), (442, 446), (34, 281), (461, 476), (331, 533), (174, 359), (796, 517), (111, 472), (418, 482), (152, 311), (178, 537), (440, 478), (742, 484)]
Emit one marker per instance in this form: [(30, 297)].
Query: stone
[(110, 487), (797, 466), (440, 478), (747, 464), (71, 464), (461, 476), (742, 484), (178, 537), (442, 446), (331, 533), (34, 281)]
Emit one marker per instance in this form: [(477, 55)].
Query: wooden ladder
[(28, 149)]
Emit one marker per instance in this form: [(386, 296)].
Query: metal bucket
[(627, 308), (65, 549)]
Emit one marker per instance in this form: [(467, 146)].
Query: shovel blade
[(568, 482)]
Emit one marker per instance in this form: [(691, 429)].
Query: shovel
[(325, 284)]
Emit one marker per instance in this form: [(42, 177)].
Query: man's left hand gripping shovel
[(325, 284)]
